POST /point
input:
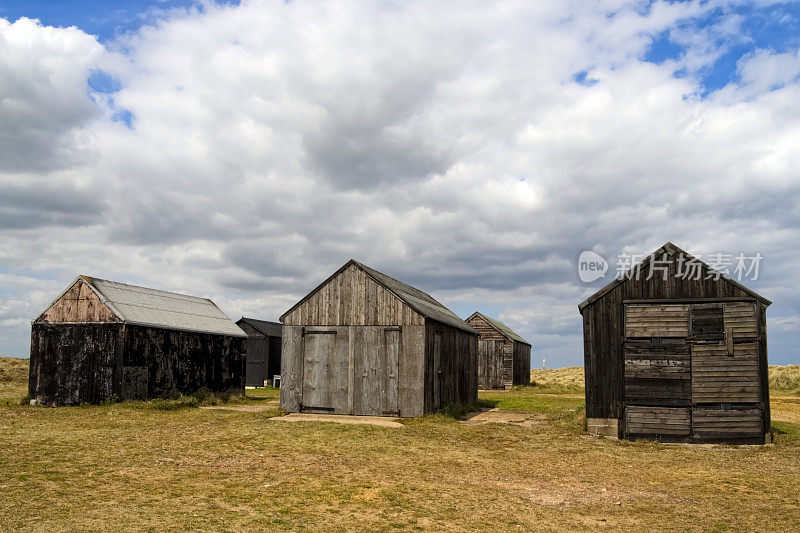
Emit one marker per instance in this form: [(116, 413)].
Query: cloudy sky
[(473, 149)]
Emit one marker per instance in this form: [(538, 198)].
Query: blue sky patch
[(581, 79)]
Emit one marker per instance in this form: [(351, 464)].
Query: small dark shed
[(504, 358), (677, 353), (363, 343), (263, 351), (101, 340)]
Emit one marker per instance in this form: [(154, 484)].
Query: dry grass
[(784, 380), (13, 379), (129, 466), (567, 379)]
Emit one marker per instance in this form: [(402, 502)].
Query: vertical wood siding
[(361, 370), (458, 381), (78, 304), (73, 363), (353, 299)]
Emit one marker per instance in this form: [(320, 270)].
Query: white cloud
[(450, 147)]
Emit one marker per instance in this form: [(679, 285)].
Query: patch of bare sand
[(243, 408), (341, 419), (496, 416)]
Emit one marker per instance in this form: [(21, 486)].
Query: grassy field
[(169, 466)]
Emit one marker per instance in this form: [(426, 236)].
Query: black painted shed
[(102, 339), (676, 354), (263, 350)]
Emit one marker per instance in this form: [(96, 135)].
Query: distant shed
[(504, 358), (363, 343), (676, 357), (263, 350), (101, 340)]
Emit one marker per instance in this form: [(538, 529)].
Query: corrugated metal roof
[(162, 309), (421, 302), (502, 328), (271, 329)]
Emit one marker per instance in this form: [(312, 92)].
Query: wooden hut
[(504, 358), (263, 351), (101, 340), (363, 343), (676, 357)]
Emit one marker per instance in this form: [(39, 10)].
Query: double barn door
[(351, 370), (692, 370)]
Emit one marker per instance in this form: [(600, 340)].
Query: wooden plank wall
[(185, 361), (721, 378), (649, 320), (522, 364), (485, 330), (657, 421), (350, 299), (715, 424), (603, 332), (73, 363), (459, 365), (79, 304), (742, 320), (657, 374), (354, 340), (490, 363)]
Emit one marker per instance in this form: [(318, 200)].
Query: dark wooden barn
[(101, 340), (363, 343), (263, 351), (504, 358), (676, 357)]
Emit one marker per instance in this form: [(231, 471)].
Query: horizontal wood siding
[(486, 330), (657, 374), (721, 378), (353, 299), (79, 304), (717, 424), (603, 331), (741, 320), (655, 320), (657, 421)]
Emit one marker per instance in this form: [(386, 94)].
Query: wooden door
[(256, 361), (437, 370), (375, 367), (325, 371), (490, 364)]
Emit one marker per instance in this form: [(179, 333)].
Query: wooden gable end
[(352, 298), (78, 304), (485, 329)]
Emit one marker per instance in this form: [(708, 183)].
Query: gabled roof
[(500, 327), (270, 329), (150, 307), (669, 249), (421, 302)]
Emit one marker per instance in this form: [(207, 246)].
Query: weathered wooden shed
[(504, 358), (101, 340), (263, 351), (676, 357), (363, 343)]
